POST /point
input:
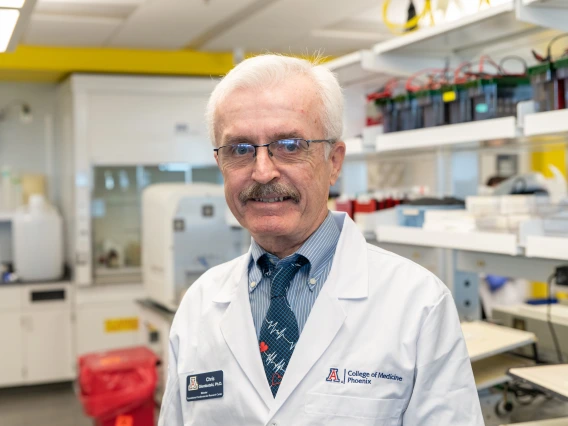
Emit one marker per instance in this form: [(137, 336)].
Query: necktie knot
[(281, 276)]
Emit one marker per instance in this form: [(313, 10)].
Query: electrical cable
[(549, 320), (548, 57), (412, 23), (513, 57)]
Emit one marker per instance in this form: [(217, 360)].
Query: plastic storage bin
[(457, 105), (407, 112), (561, 68), (431, 106), (38, 241), (483, 205), (117, 387), (548, 95), (414, 215), (386, 110), (498, 97)]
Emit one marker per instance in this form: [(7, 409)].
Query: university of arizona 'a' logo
[(332, 377)]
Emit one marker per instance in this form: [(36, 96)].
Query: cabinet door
[(11, 354), (148, 128), (49, 356)]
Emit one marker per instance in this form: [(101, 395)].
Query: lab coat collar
[(237, 328), (349, 272)]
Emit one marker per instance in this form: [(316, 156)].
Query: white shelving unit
[(541, 248), (547, 247), (351, 70), (546, 123), (485, 242), (485, 27), (456, 134)]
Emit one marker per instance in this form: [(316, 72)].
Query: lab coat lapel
[(237, 328), (348, 279)]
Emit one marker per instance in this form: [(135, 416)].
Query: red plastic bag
[(115, 382)]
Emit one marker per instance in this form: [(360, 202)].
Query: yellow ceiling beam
[(36, 63)]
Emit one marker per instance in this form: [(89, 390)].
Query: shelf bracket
[(542, 15)]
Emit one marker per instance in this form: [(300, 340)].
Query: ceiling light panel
[(12, 3), (8, 19)]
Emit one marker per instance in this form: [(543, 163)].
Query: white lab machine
[(185, 232)]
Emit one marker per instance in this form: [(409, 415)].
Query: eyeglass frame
[(267, 145)]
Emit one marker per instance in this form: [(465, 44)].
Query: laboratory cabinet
[(115, 135), (36, 323)]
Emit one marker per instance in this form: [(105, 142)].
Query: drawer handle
[(47, 295)]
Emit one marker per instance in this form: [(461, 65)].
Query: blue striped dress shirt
[(304, 289)]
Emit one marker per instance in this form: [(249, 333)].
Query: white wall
[(24, 146)]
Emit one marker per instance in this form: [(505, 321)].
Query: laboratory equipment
[(38, 241), (185, 232)]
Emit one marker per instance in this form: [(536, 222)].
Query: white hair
[(267, 70)]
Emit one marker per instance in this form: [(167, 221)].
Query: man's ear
[(336, 158)]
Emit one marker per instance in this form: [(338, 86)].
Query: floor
[(50, 405), (57, 405)]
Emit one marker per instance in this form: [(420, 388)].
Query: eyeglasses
[(285, 151)]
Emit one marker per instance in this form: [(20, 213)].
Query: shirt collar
[(319, 248)]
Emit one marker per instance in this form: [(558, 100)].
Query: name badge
[(204, 386)]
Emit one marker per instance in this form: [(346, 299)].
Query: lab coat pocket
[(361, 408)]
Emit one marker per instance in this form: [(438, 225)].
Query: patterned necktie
[(279, 332)]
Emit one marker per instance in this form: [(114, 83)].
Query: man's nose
[(264, 169)]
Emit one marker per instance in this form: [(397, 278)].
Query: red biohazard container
[(346, 206), (365, 206), (117, 387)]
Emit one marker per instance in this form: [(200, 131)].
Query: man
[(312, 326)]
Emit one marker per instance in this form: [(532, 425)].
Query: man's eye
[(288, 146), (240, 150)]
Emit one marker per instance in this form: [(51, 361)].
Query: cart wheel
[(503, 408)]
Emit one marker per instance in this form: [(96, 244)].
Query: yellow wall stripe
[(36, 63)]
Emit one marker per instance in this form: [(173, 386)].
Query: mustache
[(276, 189)]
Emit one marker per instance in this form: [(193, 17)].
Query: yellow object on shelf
[(412, 23), (32, 184), (539, 290)]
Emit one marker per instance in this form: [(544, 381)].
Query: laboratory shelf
[(547, 247), (491, 371), (485, 340), (454, 134), (546, 123), (486, 27), (486, 242), (352, 71), (6, 216)]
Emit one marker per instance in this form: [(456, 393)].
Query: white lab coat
[(377, 313)]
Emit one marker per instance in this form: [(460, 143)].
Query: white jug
[(38, 241)]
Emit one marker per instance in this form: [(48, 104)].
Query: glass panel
[(116, 217), (208, 174)]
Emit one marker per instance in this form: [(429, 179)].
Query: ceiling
[(288, 26)]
